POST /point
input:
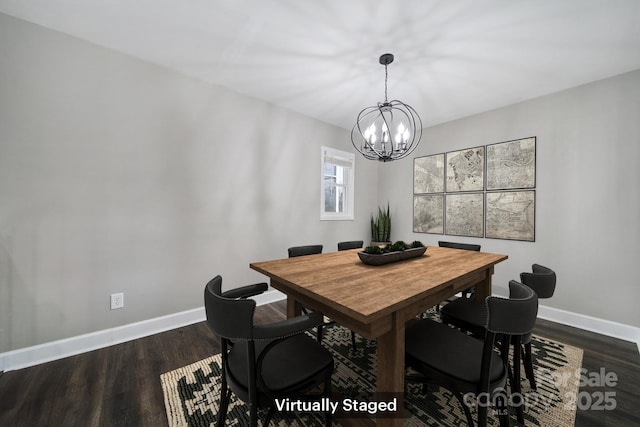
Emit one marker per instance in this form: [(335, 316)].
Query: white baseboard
[(30, 356), (42, 353), (269, 297), (593, 324)]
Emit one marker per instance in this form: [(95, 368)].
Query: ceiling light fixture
[(389, 131)]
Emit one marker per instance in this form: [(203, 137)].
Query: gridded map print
[(465, 170), (511, 165), (511, 215)]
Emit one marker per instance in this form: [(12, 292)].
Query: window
[(336, 191)]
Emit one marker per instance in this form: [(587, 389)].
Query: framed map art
[(511, 215), (465, 214), (428, 174), (511, 165), (428, 213), (486, 191), (465, 170)]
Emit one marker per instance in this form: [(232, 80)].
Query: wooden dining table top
[(378, 301), (341, 282)]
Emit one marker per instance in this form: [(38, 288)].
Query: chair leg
[(353, 339), (501, 400), (327, 393), (504, 419), (425, 389), (466, 410), (253, 415), (225, 395), (267, 419), (516, 386), (319, 333), (505, 342), (528, 366)]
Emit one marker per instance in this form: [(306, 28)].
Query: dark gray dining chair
[(262, 363), (543, 282), (469, 315), (350, 244), (466, 247), (456, 245), (296, 251), (463, 364)]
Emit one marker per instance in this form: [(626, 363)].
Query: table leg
[(483, 289), (390, 375), (294, 308)]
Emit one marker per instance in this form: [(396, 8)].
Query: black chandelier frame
[(395, 147)]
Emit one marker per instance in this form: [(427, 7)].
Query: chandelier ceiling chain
[(373, 135), (386, 77)]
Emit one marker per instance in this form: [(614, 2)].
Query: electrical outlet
[(117, 301)]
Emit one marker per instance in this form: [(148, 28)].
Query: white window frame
[(348, 161)]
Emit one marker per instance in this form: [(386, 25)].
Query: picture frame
[(511, 164), (510, 215), (464, 214), (465, 170), (428, 174), (428, 213)]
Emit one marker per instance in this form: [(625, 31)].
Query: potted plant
[(381, 228)]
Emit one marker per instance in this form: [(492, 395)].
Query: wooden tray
[(386, 258)]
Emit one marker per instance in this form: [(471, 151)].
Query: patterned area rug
[(191, 393)]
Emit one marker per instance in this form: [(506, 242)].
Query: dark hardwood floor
[(120, 385)]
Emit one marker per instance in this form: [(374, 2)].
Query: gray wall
[(119, 175), (587, 198)]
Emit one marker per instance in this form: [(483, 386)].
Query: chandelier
[(388, 131)]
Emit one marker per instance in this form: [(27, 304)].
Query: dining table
[(377, 301)]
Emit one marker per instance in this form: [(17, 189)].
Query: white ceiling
[(454, 58)]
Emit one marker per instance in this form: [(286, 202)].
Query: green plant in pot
[(381, 227)]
